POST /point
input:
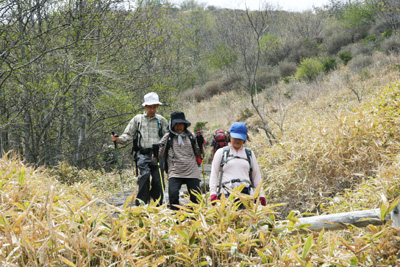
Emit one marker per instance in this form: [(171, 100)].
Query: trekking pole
[(156, 148), (119, 167), (200, 142), (204, 177)]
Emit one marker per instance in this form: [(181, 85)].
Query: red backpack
[(220, 140)]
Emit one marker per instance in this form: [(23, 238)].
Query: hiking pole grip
[(115, 141)]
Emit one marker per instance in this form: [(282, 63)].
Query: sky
[(288, 5)]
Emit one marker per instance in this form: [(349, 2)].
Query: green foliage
[(387, 33), (190, 5), (359, 13), (221, 57), (309, 69), (257, 89), (286, 80), (345, 57), (199, 126), (270, 42), (370, 38), (329, 64)]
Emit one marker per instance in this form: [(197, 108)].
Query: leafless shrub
[(267, 77), (212, 88), (302, 48), (335, 37), (366, 48), (188, 95), (231, 83), (379, 28), (287, 69), (391, 45), (360, 62)]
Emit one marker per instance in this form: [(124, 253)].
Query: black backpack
[(169, 145), (225, 159)]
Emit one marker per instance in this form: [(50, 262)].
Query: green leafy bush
[(345, 57), (309, 69), (329, 64), (199, 126), (222, 57)]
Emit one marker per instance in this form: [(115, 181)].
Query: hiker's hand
[(114, 138), (263, 201), (154, 159), (214, 197)]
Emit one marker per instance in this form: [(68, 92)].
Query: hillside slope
[(329, 140)]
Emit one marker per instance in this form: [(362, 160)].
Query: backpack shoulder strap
[(225, 154), (169, 144), (159, 128), (249, 159), (248, 154), (224, 159), (192, 141)]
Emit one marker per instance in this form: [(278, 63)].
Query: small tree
[(309, 69)]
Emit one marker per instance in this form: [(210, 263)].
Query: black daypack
[(225, 158), (169, 145), (137, 137)]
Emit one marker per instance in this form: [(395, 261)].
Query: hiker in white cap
[(145, 130)]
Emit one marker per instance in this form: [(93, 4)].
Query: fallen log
[(341, 221)]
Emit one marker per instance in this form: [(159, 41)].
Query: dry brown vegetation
[(335, 155), (45, 223), (330, 142)]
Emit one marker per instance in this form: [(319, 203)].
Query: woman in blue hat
[(235, 165), (179, 148)]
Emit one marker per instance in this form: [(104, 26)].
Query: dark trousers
[(175, 184), (149, 169)]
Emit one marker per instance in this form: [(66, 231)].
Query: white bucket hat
[(151, 99)]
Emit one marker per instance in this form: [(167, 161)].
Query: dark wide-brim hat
[(178, 117)]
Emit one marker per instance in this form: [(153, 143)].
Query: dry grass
[(45, 223)]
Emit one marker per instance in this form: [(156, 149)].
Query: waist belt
[(145, 150)]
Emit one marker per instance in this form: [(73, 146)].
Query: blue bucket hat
[(238, 130)]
